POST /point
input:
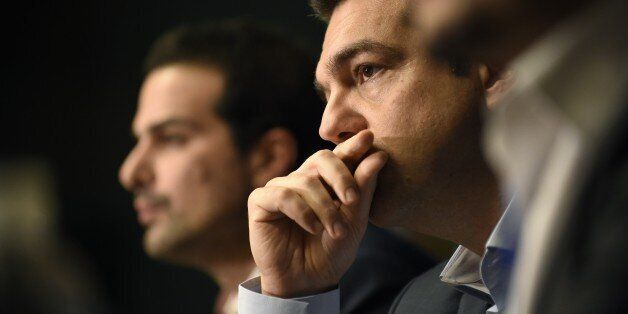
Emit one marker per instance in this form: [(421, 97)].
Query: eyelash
[(359, 71)]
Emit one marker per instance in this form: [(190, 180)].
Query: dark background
[(69, 94)]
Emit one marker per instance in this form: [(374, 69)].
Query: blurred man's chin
[(156, 245)]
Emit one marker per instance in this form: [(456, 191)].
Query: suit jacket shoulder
[(428, 294), (385, 263)]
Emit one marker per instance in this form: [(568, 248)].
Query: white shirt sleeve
[(251, 300)]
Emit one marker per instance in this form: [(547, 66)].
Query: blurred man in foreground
[(407, 130), (224, 108), (558, 140)]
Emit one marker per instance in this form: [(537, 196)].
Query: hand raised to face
[(305, 228)]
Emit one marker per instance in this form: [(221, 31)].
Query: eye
[(366, 71), (172, 139)]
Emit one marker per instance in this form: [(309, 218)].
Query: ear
[(496, 83), (274, 155)]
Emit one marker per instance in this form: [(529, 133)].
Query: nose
[(135, 171), (340, 120)]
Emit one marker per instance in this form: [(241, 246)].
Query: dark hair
[(460, 66), (269, 78)]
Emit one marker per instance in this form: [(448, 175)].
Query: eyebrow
[(363, 46), (353, 50), (173, 122)]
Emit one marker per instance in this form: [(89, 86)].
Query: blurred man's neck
[(228, 275)]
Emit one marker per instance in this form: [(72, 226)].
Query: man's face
[(189, 181), (376, 74)]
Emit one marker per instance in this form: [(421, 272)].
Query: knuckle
[(254, 194), (251, 203), (283, 194), (327, 153), (323, 153), (309, 182), (275, 181)]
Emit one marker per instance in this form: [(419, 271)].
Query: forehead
[(183, 91), (383, 21)]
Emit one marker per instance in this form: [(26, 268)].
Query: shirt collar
[(463, 268)]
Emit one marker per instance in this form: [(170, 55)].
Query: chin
[(157, 245), (153, 248)]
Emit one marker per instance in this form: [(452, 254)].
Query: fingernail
[(339, 229), (351, 195)]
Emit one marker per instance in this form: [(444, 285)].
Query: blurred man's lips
[(146, 212)]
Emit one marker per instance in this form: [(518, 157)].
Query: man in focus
[(407, 133)]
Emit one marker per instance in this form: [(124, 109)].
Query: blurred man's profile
[(558, 140), (224, 108)]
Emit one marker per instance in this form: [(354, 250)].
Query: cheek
[(381, 89), (396, 118), (181, 177), (405, 126), (208, 180)]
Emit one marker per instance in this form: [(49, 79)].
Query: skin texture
[(189, 179), (387, 101)]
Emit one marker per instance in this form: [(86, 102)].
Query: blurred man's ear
[(274, 155), (496, 82)]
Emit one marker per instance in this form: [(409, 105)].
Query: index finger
[(352, 150)]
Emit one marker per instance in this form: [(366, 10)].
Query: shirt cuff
[(251, 300)]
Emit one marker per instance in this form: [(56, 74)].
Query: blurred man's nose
[(135, 171), (340, 121)]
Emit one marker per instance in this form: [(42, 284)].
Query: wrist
[(291, 289)]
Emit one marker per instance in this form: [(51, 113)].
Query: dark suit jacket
[(588, 272), (428, 294), (384, 264)]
